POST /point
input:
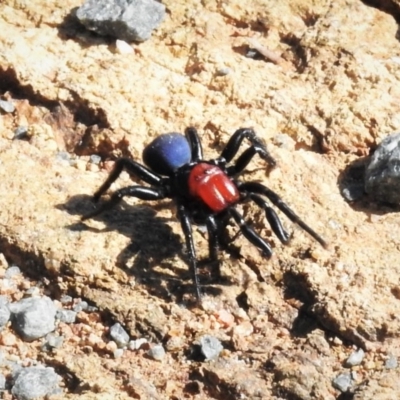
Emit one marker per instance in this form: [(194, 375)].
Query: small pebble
[(355, 358), (210, 347), (95, 159), (4, 311), (119, 335), (81, 306), (65, 299), (34, 317), (21, 133), (12, 271), (223, 71), (53, 341), (67, 316), (391, 362), (35, 382), (7, 106), (33, 291), (123, 47), (2, 382), (342, 382), (136, 344), (156, 352), (118, 353)]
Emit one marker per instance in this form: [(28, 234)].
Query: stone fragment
[(156, 352), (12, 271), (7, 106), (34, 382), (355, 358), (119, 335), (391, 362), (129, 20), (382, 176), (210, 347), (4, 311), (342, 382), (34, 317), (67, 316)]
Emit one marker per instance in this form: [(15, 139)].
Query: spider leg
[(272, 218), (193, 138), (250, 234), (255, 187), (141, 192), (132, 167), (213, 244), (257, 147), (184, 219), (213, 241)]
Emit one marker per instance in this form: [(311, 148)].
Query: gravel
[(355, 358), (7, 106), (156, 352), (34, 317), (12, 271), (391, 362), (342, 382), (382, 176), (2, 382), (4, 311), (129, 20), (20, 133), (210, 347), (119, 335), (67, 316), (81, 306), (35, 382)]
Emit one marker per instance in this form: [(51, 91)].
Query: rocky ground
[(322, 91)]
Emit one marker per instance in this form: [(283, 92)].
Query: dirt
[(322, 91)]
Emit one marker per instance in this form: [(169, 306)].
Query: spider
[(205, 191)]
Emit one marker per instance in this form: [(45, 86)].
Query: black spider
[(205, 191)]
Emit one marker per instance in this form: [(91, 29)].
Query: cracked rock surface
[(319, 83)]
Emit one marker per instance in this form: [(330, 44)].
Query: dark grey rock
[(67, 316), (4, 312), (34, 382), (130, 20), (342, 382), (34, 317), (119, 335), (12, 271), (156, 352), (7, 106), (210, 347), (382, 176), (355, 358)]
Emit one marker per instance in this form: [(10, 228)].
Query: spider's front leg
[(257, 147), (140, 192), (133, 168)]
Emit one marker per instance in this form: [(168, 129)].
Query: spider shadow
[(151, 254), (351, 185)]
